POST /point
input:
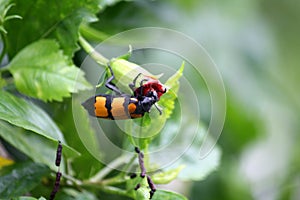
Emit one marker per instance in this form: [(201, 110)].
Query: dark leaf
[(58, 20), (21, 179)]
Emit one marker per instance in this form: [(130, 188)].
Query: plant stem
[(114, 164), (107, 189), (127, 166), (72, 179), (92, 33), (114, 190), (92, 52)]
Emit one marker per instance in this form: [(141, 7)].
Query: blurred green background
[(256, 47)]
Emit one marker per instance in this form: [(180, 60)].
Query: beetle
[(124, 106)]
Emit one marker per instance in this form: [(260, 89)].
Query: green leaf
[(184, 150), (168, 100), (142, 131), (26, 115), (41, 70), (167, 195), (73, 194), (38, 148), (59, 20), (197, 169), (28, 198), (166, 176), (21, 179), (142, 193)]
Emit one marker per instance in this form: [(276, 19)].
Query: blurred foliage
[(256, 46)]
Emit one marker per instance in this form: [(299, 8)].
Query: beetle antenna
[(133, 84)]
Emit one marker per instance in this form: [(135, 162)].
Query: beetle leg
[(109, 83), (158, 108), (133, 84)]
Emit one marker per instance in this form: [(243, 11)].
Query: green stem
[(113, 165), (127, 166), (107, 189), (92, 52), (115, 180), (105, 171), (92, 33), (72, 179), (114, 190)]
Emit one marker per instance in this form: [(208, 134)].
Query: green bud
[(126, 71)]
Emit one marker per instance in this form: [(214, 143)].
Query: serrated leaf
[(168, 100), (167, 195), (57, 20), (41, 70), (26, 115), (22, 179)]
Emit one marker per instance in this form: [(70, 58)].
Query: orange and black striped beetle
[(125, 106)]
